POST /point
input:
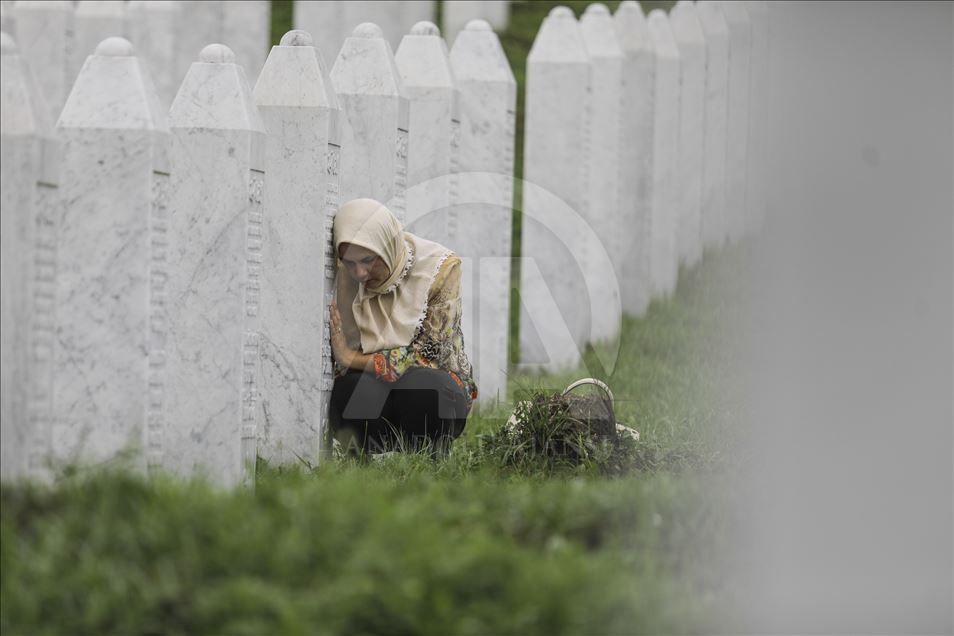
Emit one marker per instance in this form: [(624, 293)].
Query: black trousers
[(423, 408)]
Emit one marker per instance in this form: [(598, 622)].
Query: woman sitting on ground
[(402, 377)]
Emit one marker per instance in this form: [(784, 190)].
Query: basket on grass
[(569, 424)]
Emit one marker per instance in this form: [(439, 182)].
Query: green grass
[(473, 544)]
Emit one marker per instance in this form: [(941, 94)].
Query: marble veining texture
[(374, 128), (603, 189), (740, 41), (113, 142), (298, 261), (215, 205), (714, 158), (665, 151), (636, 156), (555, 160), (488, 94), (692, 54)]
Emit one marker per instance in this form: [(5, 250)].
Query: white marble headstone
[(115, 174), (210, 392), (758, 117), (636, 155), (740, 42), (716, 34), (458, 13), (488, 93), (152, 27), (603, 189), (374, 139), (301, 115), (27, 174), (665, 154), (556, 160), (45, 38), (692, 55), (433, 135), (96, 20)]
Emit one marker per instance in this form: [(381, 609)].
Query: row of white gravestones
[(689, 148), (57, 36), (191, 326), (331, 22)]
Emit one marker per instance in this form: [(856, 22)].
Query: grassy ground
[(407, 545)]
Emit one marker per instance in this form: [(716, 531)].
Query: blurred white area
[(846, 510)]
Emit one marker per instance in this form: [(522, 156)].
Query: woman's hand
[(339, 344)]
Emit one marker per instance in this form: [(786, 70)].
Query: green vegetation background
[(406, 545)]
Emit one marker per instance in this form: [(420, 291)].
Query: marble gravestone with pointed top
[(636, 158), (603, 189), (374, 132), (300, 111), (433, 135), (95, 21), (755, 195), (115, 172), (737, 126), (29, 174), (488, 93), (152, 26), (555, 160), (692, 55), (665, 154), (45, 37), (210, 390), (716, 34)]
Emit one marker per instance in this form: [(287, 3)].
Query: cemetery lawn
[(406, 545)]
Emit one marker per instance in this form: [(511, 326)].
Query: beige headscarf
[(386, 316)]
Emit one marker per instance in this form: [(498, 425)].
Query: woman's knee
[(358, 396), (432, 396)]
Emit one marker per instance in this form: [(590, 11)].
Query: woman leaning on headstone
[(402, 378)]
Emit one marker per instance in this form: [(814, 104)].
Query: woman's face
[(363, 265)]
